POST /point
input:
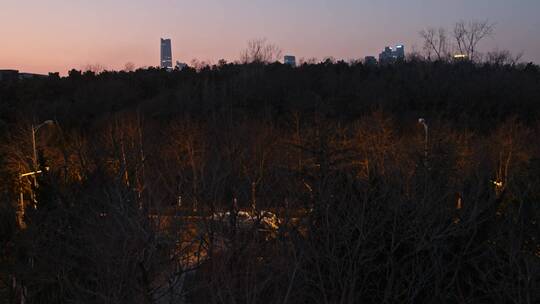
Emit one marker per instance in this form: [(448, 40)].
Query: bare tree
[(200, 64), (96, 68), (129, 67), (260, 51), (469, 34), (503, 57), (311, 60), (435, 41)]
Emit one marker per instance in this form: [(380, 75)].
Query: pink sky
[(57, 35)]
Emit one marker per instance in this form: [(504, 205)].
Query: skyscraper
[(166, 54), (386, 56), (391, 55)]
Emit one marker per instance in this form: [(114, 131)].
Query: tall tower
[(166, 54)]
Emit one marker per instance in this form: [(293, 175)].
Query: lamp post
[(34, 130), (423, 122), (32, 173)]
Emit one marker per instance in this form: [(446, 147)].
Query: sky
[(43, 36)]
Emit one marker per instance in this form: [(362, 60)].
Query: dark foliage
[(137, 166)]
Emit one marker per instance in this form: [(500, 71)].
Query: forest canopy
[(410, 182)]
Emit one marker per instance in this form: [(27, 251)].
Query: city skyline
[(59, 35)]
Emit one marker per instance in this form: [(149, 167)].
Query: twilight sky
[(57, 35)]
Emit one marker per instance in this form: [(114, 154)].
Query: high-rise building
[(290, 60), (391, 55), (399, 52), (386, 56), (166, 54)]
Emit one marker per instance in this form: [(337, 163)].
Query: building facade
[(399, 52), (391, 55), (166, 54), (290, 60)]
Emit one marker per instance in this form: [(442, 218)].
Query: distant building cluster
[(391, 55), (387, 56)]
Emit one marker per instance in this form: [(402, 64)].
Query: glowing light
[(498, 183)]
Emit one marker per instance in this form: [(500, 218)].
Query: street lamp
[(20, 216), (34, 130), (423, 122)]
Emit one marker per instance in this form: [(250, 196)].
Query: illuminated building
[(399, 52), (460, 57), (166, 54), (391, 55)]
